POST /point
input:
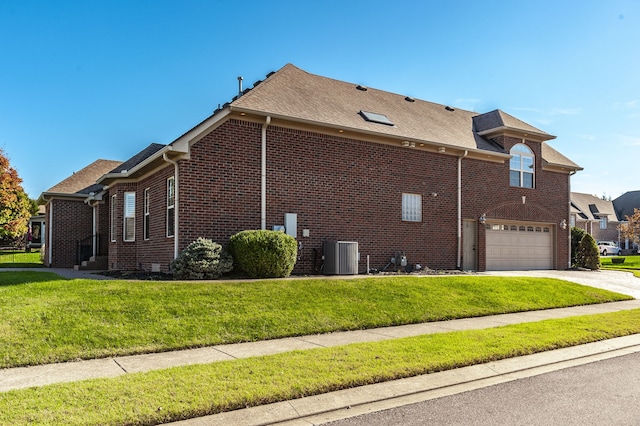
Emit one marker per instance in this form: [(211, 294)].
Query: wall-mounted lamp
[(412, 144), (563, 224), (482, 219), (434, 194), (405, 143), (442, 149)]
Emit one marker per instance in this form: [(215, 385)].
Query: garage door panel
[(519, 246)]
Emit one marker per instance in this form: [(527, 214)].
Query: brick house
[(70, 235), (625, 206), (335, 161), (595, 215)]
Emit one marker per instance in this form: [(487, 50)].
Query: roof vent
[(409, 99), (256, 83), (270, 74), (376, 118), (448, 108), (363, 88)]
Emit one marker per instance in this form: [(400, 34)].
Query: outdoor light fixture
[(563, 224), (483, 219)]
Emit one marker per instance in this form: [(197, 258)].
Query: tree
[(631, 229), (576, 236), (15, 206), (588, 255)]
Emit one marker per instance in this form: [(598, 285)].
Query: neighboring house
[(596, 216), (624, 206), (335, 161), (35, 235), (70, 233)]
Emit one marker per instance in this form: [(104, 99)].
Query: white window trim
[(112, 209), (145, 219), (128, 214), (520, 169), (171, 204), (411, 207), (603, 222)]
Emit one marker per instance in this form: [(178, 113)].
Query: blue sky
[(82, 80)]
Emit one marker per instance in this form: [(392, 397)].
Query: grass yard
[(20, 259), (186, 392), (631, 264), (46, 319)]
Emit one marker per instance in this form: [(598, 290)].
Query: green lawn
[(193, 391), (20, 259), (631, 264), (45, 319)]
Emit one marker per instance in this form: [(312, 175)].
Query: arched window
[(522, 166)]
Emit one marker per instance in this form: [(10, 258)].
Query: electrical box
[(341, 257), (291, 224)]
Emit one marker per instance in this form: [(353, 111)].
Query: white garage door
[(512, 247)]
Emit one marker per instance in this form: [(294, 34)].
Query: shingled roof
[(590, 207), (83, 180), (294, 94)]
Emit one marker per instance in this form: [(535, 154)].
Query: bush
[(576, 236), (202, 260), (588, 255), (617, 260), (264, 254)]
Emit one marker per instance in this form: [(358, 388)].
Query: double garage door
[(513, 246)]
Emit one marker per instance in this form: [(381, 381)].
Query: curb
[(347, 403)]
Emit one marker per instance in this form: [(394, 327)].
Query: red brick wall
[(340, 189), (72, 221), (158, 248), (122, 254), (486, 189)]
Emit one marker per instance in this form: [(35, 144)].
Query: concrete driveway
[(620, 282)]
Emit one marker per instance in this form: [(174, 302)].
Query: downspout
[(176, 206), (50, 234), (460, 157), (263, 176), (569, 220), (93, 230)]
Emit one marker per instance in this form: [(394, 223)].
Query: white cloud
[(629, 140)]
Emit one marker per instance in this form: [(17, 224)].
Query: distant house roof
[(625, 204), (84, 180), (590, 207)]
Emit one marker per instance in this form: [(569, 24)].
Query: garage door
[(512, 247)]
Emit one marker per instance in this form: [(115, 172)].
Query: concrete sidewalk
[(24, 377), (347, 403)]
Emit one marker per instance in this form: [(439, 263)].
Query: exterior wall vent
[(341, 257)]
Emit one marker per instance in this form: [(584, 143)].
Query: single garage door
[(512, 247)]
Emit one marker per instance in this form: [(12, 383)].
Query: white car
[(609, 247)]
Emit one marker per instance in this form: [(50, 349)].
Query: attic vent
[(376, 118), (409, 99), (448, 108), (256, 83), (363, 88), (270, 74)]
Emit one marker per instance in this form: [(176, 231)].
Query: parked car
[(609, 247)]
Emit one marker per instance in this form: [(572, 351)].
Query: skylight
[(376, 118)]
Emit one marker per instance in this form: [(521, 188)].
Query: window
[(521, 166), (412, 207), (374, 117), (603, 222), (145, 208), (171, 206), (129, 216), (112, 212)]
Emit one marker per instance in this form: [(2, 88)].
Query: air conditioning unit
[(341, 257)]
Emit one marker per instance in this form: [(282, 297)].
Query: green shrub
[(202, 260), (264, 254), (588, 255), (617, 260), (576, 236)]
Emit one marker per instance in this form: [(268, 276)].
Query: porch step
[(95, 263)]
